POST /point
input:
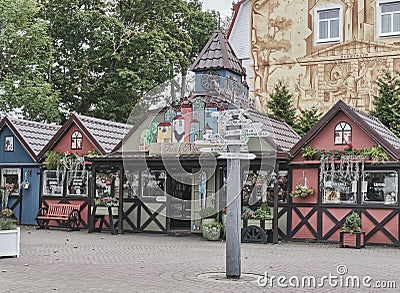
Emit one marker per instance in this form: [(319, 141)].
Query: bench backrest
[(61, 209)]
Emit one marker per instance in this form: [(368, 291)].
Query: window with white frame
[(379, 186), (343, 133), (77, 183), (328, 25), (339, 188), (53, 183), (388, 18), (11, 176), (76, 140)]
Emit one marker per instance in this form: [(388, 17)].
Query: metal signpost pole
[(233, 231)]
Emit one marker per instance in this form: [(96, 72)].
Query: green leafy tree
[(108, 54), (387, 101), (280, 103), (25, 58), (306, 120)]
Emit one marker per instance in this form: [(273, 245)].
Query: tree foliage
[(280, 103), (306, 120), (281, 106), (387, 101), (109, 53), (25, 60)]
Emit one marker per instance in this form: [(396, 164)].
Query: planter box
[(353, 240), (103, 211), (264, 224), (10, 240)]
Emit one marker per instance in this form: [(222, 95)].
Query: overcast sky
[(223, 6)]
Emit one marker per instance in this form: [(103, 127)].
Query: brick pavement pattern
[(62, 261)]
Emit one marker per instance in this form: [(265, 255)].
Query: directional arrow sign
[(240, 156)]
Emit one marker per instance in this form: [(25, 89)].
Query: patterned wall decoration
[(284, 44)]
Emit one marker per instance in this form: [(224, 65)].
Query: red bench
[(68, 214)]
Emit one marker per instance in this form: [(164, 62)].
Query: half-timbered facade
[(67, 181), (358, 172)]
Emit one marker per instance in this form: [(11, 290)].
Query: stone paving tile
[(62, 261)]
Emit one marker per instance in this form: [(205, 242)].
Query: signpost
[(236, 128)]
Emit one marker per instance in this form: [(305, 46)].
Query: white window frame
[(387, 199), (328, 197), (379, 19), (79, 178), (323, 8), (11, 171), (59, 186)]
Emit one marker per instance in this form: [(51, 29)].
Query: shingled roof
[(33, 135), (371, 125), (103, 134), (218, 54), (281, 134), (108, 134)]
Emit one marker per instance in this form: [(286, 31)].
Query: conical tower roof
[(218, 54)]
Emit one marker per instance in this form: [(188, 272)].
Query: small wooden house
[(355, 167), (22, 141)]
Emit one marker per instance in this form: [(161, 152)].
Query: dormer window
[(343, 133), (76, 140)]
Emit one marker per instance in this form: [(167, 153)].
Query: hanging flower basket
[(302, 191)]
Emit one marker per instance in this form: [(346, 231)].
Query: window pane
[(335, 28), (323, 30), (396, 22), (52, 183), (329, 14), (379, 187), (11, 176), (390, 7), (77, 183), (153, 183), (339, 188), (386, 23), (131, 185)]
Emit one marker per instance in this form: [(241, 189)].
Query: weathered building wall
[(286, 43)]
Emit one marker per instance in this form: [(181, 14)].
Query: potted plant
[(261, 217), (104, 201), (208, 216), (213, 230), (351, 234), (9, 234), (308, 152), (302, 191)]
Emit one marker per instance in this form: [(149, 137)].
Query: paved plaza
[(61, 261)]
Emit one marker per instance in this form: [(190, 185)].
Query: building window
[(11, 176), (77, 183), (379, 186), (76, 140), (154, 183), (343, 133), (9, 144), (328, 24), (338, 188), (388, 18), (53, 182)]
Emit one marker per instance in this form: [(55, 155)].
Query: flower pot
[(10, 241), (352, 239), (206, 221), (103, 211), (214, 234)]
